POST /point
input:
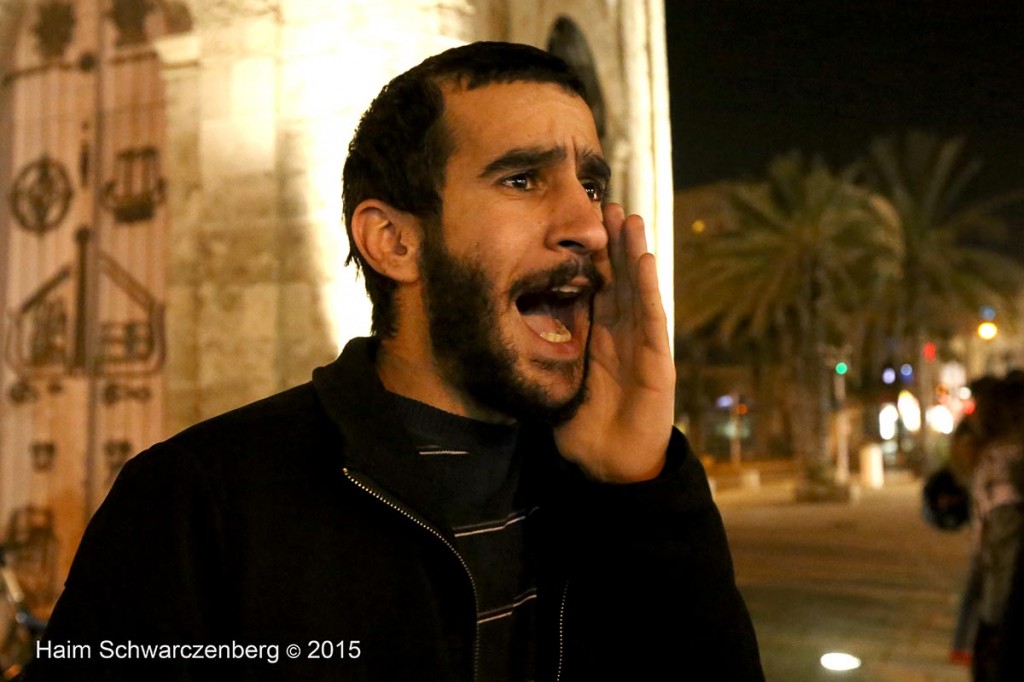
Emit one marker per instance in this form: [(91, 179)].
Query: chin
[(556, 390), (559, 382), (566, 409)]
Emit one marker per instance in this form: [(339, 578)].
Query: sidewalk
[(868, 578)]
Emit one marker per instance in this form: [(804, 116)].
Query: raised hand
[(621, 431)]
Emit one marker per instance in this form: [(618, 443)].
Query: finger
[(635, 246), (647, 308), (635, 240), (652, 318), (613, 219), (610, 265), (623, 275)]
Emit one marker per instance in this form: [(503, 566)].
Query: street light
[(988, 330)]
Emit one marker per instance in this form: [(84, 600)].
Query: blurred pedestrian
[(999, 510), (965, 447), (1011, 653)]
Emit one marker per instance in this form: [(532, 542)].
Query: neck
[(411, 370)]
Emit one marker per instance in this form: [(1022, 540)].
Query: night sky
[(750, 80)]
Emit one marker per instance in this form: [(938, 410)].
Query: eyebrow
[(590, 163), (524, 157), (594, 166)]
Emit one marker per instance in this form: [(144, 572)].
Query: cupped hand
[(621, 431)]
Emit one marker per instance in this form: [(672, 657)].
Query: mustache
[(561, 275)]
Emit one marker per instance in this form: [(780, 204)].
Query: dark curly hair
[(401, 147)]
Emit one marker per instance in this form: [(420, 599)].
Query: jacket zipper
[(365, 487), (561, 632)]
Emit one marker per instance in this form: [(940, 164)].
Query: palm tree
[(946, 277), (804, 257)]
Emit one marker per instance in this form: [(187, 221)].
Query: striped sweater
[(468, 474)]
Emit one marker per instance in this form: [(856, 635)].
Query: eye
[(595, 190), (524, 181)]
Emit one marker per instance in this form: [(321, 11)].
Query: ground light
[(839, 662)]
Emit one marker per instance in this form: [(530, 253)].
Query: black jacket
[(273, 525)]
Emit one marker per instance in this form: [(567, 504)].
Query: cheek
[(495, 243), (498, 265)]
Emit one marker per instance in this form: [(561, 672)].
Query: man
[(489, 488)]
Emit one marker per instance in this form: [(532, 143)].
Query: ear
[(389, 239)]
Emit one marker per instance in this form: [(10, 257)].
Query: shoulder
[(288, 420), (288, 415), (286, 439)]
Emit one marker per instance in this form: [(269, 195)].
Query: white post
[(842, 431)]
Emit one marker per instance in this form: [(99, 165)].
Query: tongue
[(548, 327)]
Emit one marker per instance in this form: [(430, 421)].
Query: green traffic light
[(842, 368)]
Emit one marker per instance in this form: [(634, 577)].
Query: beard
[(468, 345)]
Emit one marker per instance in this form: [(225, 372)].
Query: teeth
[(560, 336), (567, 289)]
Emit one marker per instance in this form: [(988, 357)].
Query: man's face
[(508, 276)]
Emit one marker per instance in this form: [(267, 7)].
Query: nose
[(576, 223)]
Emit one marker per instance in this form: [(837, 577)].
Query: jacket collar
[(355, 399)]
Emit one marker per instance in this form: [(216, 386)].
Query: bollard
[(872, 470), (751, 479)]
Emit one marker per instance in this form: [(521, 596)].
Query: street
[(869, 578)]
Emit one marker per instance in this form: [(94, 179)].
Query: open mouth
[(555, 313)]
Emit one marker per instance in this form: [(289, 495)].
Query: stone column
[(179, 57), (263, 97), (335, 57), (649, 129), (224, 302)]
